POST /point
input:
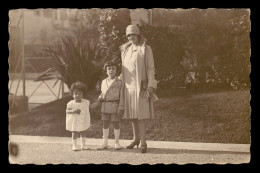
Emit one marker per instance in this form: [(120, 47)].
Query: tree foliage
[(112, 25), (204, 48)]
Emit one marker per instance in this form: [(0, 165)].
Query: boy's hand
[(77, 111), (100, 98), (94, 105)]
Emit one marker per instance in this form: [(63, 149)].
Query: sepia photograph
[(129, 86)]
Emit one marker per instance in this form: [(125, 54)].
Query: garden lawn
[(181, 115)]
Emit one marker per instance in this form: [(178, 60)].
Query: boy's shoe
[(117, 134), (105, 140), (84, 147), (117, 146)]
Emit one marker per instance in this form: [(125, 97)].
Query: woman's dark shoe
[(133, 144), (143, 148)]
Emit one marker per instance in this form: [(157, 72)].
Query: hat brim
[(132, 33)]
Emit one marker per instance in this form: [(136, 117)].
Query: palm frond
[(72, 59)]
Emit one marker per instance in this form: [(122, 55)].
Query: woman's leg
[(142, 129), (135, 130), (136, 140)]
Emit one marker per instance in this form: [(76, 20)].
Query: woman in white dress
[(139, 84)]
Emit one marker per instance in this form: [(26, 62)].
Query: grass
[(181, 115)]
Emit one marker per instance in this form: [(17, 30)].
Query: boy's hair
[(110, 63), (78, 86)]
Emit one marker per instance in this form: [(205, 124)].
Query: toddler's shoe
[(102, 147)]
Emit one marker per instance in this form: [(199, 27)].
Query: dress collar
[(134, 48)]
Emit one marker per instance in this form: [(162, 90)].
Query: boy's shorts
[(110, 117)]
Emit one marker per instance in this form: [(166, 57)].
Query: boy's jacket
[(112, 96)]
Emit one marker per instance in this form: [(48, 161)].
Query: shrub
[(219, 41), (209, 49), (168, 50)]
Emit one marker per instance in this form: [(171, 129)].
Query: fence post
[(23, 57)]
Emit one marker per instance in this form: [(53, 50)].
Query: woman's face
[(133, 38)]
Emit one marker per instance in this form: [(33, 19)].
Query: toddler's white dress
[(78, 122)]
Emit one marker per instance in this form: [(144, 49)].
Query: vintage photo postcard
[(129, 86)]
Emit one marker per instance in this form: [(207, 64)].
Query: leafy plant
[(74, 60), (78, 56), (112, 25)]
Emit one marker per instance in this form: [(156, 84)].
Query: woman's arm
[(152, 83)]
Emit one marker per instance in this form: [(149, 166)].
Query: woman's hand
[(146, 93), (150, 90)]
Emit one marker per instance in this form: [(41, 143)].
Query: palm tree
[(73, 60)]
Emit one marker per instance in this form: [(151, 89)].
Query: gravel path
[(40, 153)]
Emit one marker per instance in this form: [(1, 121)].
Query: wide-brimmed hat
[(132, 29)]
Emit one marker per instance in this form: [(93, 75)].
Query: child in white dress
[(77, 115)]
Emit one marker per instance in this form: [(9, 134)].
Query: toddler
[(77, 115)]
